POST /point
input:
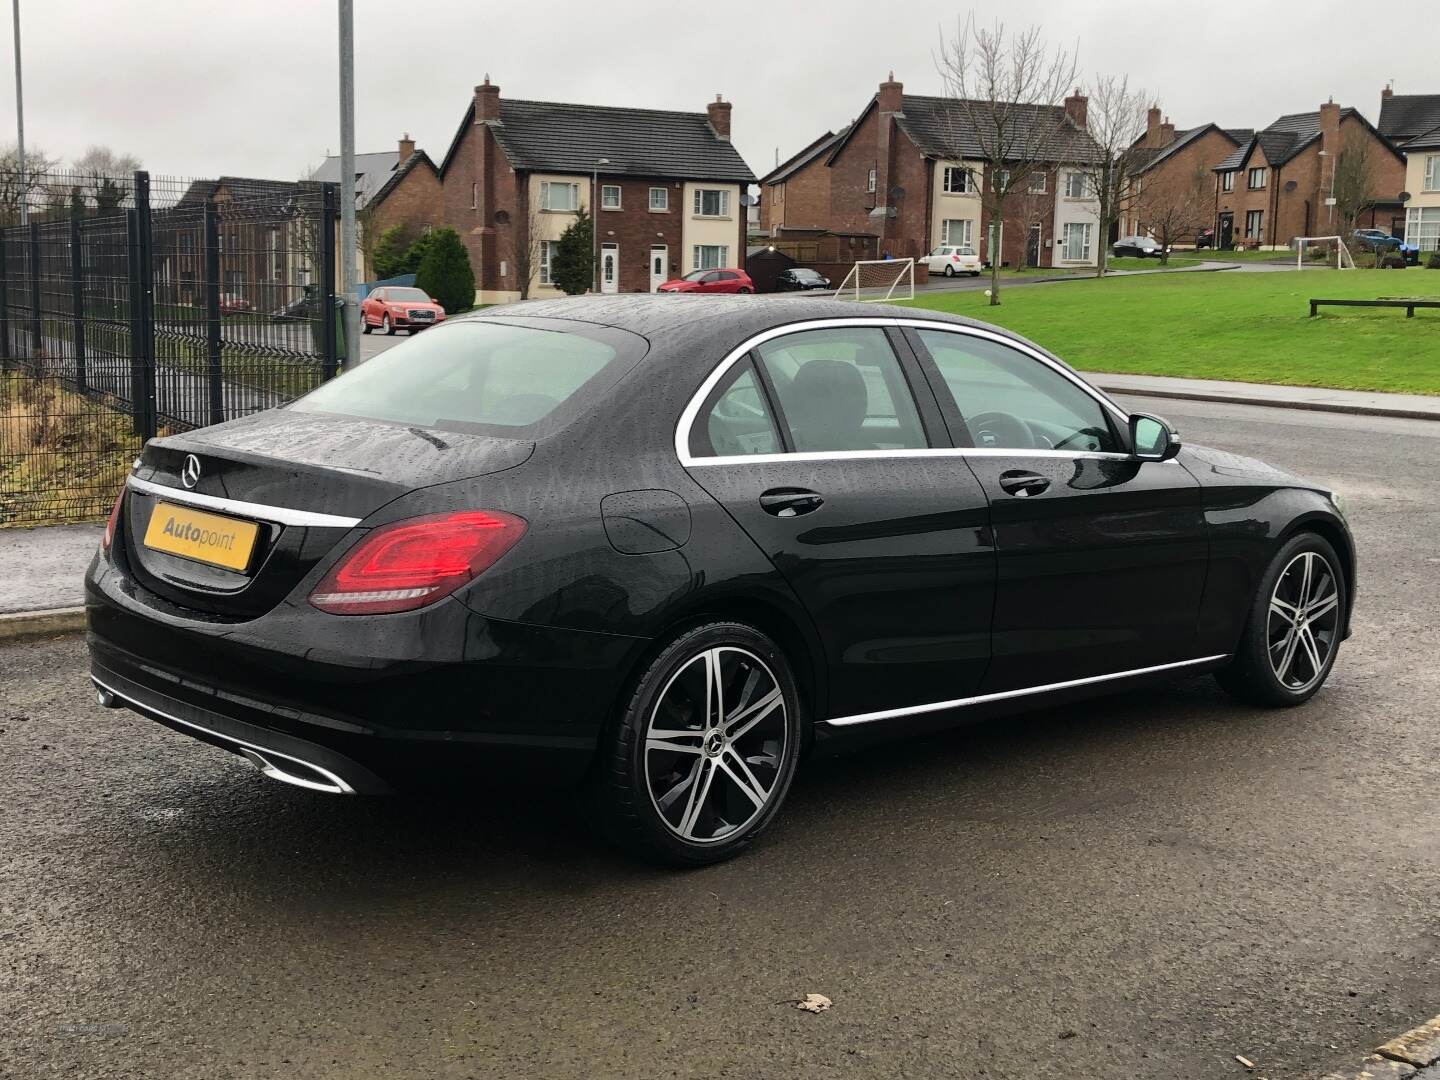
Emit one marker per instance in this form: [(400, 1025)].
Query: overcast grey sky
[(197, 87)]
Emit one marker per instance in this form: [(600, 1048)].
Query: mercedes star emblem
[(190, 474)]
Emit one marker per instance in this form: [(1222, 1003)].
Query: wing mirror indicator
[(1152, 439)]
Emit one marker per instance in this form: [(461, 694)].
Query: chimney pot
[(407, 147), (892, 95)]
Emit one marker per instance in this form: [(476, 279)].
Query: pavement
[(1140, 887), (42, 568)]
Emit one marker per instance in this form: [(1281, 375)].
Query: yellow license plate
[(206, 538)]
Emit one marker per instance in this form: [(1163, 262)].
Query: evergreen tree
[(572, 264), (390, 254), (445, 272)]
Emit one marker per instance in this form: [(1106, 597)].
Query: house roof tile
[(1407, 116)]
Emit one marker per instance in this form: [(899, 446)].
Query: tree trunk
[(994, 225), (1102, 257)]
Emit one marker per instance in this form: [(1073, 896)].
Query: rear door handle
[(1022, 484), (790, 502)]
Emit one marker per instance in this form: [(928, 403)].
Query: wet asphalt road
[(1141, 887)]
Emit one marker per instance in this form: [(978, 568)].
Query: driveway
[(1144, 886)]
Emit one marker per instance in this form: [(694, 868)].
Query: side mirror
[(1152, 439)]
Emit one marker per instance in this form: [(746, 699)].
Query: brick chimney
[(891, 100), (1152, 127), (719, 113), (1387, 92), (487, 101), (407, 147), (1167, 132), (1330, 127), (892, 96), (1076, 107)]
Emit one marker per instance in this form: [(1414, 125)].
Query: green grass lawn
[(1230, 325)]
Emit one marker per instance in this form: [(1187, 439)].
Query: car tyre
[(386, 325), (674, 784), (949, 271), (742, 289), (365, 326), (1268, 669)]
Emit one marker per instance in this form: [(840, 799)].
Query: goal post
[(877, 281), (1328, 251)]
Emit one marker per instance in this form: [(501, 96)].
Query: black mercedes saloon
[(659, 553)]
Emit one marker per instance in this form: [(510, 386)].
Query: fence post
[(77, 297), (145, 280), (211, 285), (132, 295), (4, 300), (330, 354), (37, 335)]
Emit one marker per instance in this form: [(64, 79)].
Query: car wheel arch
[(1329, 530)]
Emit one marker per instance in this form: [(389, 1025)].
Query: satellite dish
[(897, 193), (747, 199), (1291, 185), (1404, 196)]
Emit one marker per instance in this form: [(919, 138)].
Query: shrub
[(572, 265), (415, 254), (1393, 261), (390, 255), (445, 272), (1434, 263)]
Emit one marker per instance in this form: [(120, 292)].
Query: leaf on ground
[(815, 1003)]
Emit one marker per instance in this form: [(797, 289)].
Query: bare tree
[(527, 249), (37, 165), (1004, 91), (104, 176), (1352, 188), (1115, 119), (1174, 208)]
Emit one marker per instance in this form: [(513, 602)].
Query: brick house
[(908, 170), (1274, 186), (796, 194), (667, 185), (1412, 122), (410, 198), (257, 243), (1170, 168)]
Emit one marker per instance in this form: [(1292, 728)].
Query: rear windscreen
[(491, 377)]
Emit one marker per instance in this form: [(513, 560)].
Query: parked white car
[(952, 259)]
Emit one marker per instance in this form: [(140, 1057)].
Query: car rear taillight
[(409, 564), (108, 536)]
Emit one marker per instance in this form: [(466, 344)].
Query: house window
[(1422, 225), (958, 180), (1000, 180), (1256, 178), (956, 232), (474, 195), (547, 252), (1074, 185), (560, 197), (659, 198), (1254, 224), (1077, 242), (870, 181), (709, 256), (1037, 184), (610, 197), (712, 202), (1227, 181), (1432, 173)]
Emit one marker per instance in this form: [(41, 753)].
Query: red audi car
[(720, 280), (396, 308)]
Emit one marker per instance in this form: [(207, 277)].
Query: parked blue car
[(1380, 242)]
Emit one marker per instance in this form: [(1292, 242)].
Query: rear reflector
[(108, 536), (408, 564)]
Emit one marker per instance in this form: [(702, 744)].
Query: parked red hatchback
[(720, 280), (396, 308)]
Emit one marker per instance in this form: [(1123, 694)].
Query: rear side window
[(842, 389), (496, 378), (736, 419)]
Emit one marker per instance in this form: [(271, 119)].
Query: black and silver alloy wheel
[(1304, 621), (715, 744), (701, 758), (1295, 625)]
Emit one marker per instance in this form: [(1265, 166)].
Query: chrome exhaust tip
[(105, 699)]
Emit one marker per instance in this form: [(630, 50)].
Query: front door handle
[(1022, 484), (790, 502)]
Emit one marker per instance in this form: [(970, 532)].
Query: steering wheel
[(1000, 430)]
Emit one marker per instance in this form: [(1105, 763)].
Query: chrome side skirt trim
[(280, 514), (980, 699), (259, 756)]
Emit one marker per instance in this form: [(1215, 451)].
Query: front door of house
[(1227, 232), (659, 265), (1032, 246), (609, 268)]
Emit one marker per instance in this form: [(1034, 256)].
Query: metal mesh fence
[(131, 308)]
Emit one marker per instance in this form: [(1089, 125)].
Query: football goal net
[(1326, 251), (877, 280)]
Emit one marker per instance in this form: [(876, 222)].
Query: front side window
[(1422, 227), (870, 181), (610, 197), (1000, 180), (708, 256), (712, 202), (1254, 224), (958, 180), (1227, 181), (1077, 241), (842, 389), (559, 197), (547, 253), (1432, 172), (1074, 185), (1010, 401), (1037, 183), (956, 231), (737, 420), (1257, 178), (659, 198)]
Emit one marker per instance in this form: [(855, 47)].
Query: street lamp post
[(350, 310), (20, 123), (594, 223)]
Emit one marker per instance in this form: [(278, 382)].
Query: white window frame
[(870, 181), (664, 202), (1257, 170), (1074, 185), (605, 190), (722, 199), (547, 252), (697, 258), (1430, 179), (1086, 233), (964, 175), (1000, 180), (1037, 183), (1422, 227), (1258, 216), (967, 232), (546, 200), (475, 195), (1227, 180)]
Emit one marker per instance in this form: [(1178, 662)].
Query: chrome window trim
[(692, 408), (980, 699), (281, 515)]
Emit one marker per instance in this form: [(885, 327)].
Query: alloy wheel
[(715, 746), (1304, 621)]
